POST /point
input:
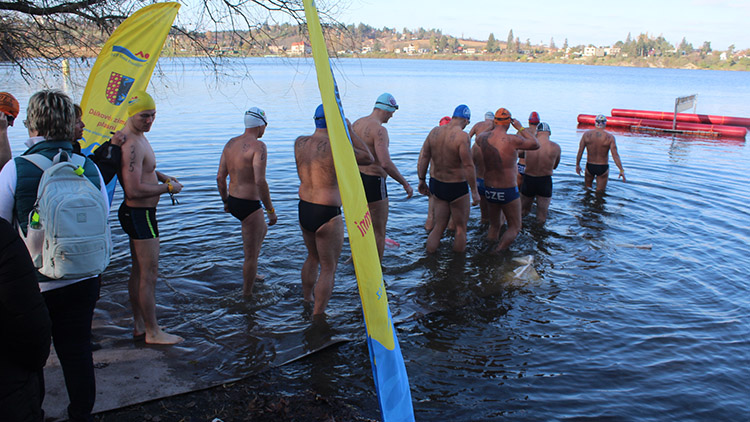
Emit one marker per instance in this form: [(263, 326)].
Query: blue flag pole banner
[(389, 371)]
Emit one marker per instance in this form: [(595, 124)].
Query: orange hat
[(502, 115), (9, 104), (534, 118)]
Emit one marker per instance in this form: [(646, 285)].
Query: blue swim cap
[(386, 102), (320, 117), (462, 111)]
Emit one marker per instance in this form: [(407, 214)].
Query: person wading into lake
[(537, 182), (137, 215), (598, 143), (533, 121), (244, 162), (499, 150), (370, 129), (452, 173), (320, 209), (476, 155)]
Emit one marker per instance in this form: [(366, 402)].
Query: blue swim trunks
[(501, 196)]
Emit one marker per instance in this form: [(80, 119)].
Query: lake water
[(610, 332)]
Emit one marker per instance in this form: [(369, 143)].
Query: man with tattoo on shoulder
[(142, 188)]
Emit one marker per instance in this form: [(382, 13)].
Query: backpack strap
[(38, 160)]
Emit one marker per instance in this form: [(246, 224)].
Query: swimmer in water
[(452, 177), (320, 209), (598, 143), (371, 130), (244, 162)]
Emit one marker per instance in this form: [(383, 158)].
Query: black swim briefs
[(375, 187), (312, 216), (241, 208), (597, 169), (138, 223), (537, 186), (448, 191)]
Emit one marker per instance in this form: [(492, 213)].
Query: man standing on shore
[(320, 209), (446, 149), (598, 143), (537, 182), (137, 215), (244, 162), (499, 150), (370, 129)]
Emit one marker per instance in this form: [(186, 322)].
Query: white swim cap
[(255, 117)]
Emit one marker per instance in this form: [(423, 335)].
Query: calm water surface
[(610, 333)]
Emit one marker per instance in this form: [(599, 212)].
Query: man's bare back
[(238, 156), (316, 170), (543, 161), (597, 143), (446, 144)]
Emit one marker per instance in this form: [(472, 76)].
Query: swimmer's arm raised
[(528, 141), (259, 173), (5, 154)]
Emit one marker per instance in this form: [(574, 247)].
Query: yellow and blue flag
[(124, 64), (389, 371)]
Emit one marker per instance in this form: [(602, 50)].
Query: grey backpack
[(68, 234)]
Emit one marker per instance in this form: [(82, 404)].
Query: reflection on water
[(610, 332)]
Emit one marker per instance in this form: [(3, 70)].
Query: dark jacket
[(25, 326)]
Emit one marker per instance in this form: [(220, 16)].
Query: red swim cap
[(9, 104), (445, 120), (534, 118)]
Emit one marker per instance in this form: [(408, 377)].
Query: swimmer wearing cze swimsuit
[(448, 192), (537, 186), (241, 208), (313, 216), (500, 195), (375, 187), (597, 169)]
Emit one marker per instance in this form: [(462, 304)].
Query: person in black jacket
[(107, 156), (25, 328)]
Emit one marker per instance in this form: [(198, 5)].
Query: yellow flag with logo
[(389, 371), (125, 64)]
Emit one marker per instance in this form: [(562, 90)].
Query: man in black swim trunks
[(142, 188), (370, 129), (598, 143), (446, 152), (320, 209), (537, 181), (244, 162)]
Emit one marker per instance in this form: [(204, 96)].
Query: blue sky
[(602, 23)]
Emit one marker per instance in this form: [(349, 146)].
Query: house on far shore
[(300, 48)]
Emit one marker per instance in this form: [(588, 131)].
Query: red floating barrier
[(629, 122), (683, 117)]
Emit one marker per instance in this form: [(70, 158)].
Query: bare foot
[(163, 338), (260, 277), (141, 335)]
